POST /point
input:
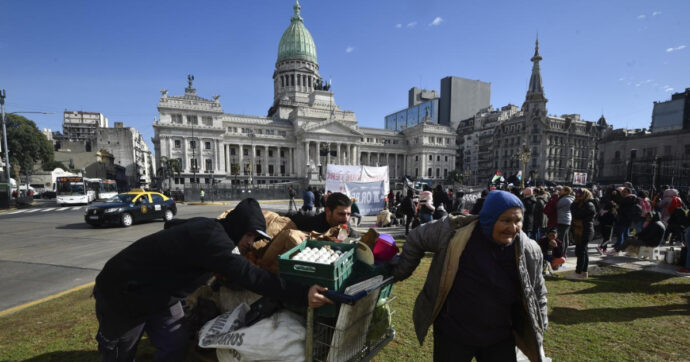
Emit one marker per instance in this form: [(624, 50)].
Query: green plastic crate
[(362, 271), (332, 276)]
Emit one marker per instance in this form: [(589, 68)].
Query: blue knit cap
[(496, 203)]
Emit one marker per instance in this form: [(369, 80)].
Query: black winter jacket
[(156, 271)]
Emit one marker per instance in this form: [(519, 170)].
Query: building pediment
[(332, 127)]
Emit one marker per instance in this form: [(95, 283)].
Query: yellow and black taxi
[(130, 207)]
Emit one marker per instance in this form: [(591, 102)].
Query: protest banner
[(338, 175), (579, 178), (369, 196)]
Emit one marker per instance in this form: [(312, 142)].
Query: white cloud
[(656, 13), (412, 24), (641, 16), (349, 49), (437, 21), (398, 26), (621, 79), (668, 89), (680, 47)]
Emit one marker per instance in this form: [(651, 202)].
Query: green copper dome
[(296, 42)]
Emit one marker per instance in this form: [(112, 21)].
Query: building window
[(232, 152), (446, 158), (209, 164), (208, 121), (431, 158), (438, 172), (282, 153), (176, 118), (178, 144), (270, 153), (207, 145), (192, 144), (687, 150), (245, 152), (428, 172), (438, 158), (416, 172), (258, 152), (193, 163), (192, 120), (617, 156), (416, 158), (292, 80)]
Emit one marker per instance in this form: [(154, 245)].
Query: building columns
[(266, 161)]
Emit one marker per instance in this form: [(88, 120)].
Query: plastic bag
[(280, 337)]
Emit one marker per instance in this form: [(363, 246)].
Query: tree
[(27, 145), (169, 167), (454, 176), (50, 166)]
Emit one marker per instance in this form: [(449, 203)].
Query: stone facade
[(303, 131), (130, 151), (556, 147), (82, 126), (645, 158)]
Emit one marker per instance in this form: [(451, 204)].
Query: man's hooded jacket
[(158, 270)]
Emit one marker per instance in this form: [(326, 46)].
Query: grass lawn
[(617, 315)]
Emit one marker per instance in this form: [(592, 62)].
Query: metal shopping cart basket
[(361, 329)]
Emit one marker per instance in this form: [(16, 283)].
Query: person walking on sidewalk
[(202, 194), (292, 207), (628, 212), (583, 212)]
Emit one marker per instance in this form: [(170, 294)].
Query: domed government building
[(303, 131)]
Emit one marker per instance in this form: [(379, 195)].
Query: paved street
[(48, 249)]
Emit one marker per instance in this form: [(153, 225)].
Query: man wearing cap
[(484, 292), (140, 288)]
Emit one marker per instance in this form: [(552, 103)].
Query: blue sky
[(113, 57)]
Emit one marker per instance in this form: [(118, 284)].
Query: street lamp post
[(523, 156), (4, 137)]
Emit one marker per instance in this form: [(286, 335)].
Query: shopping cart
[(362, 328)]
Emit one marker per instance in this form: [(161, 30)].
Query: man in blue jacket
[(141, 287)]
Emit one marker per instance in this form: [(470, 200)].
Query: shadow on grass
[(570, 316), (633, 282), (66, 356)]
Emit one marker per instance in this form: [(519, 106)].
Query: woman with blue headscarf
[(484, 293)]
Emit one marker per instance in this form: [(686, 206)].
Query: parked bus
[(70, 190), (109, 190), (93, 188)]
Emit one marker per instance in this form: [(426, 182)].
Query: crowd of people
[(563, 217)]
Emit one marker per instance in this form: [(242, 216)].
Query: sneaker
[(683, 271), (601, 250), (574, 276)]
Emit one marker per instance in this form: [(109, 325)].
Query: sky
[(599, 57)]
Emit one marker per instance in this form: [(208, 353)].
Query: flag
[(497, 177)]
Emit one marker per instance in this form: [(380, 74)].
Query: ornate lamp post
[(523, 156)]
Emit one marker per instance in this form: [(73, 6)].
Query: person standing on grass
[(564, 215), (583, 212), (484, 291)]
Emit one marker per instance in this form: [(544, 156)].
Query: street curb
[(45, 299), (207, 203)]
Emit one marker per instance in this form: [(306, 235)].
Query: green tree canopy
[(27, 145), (51, 165)]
